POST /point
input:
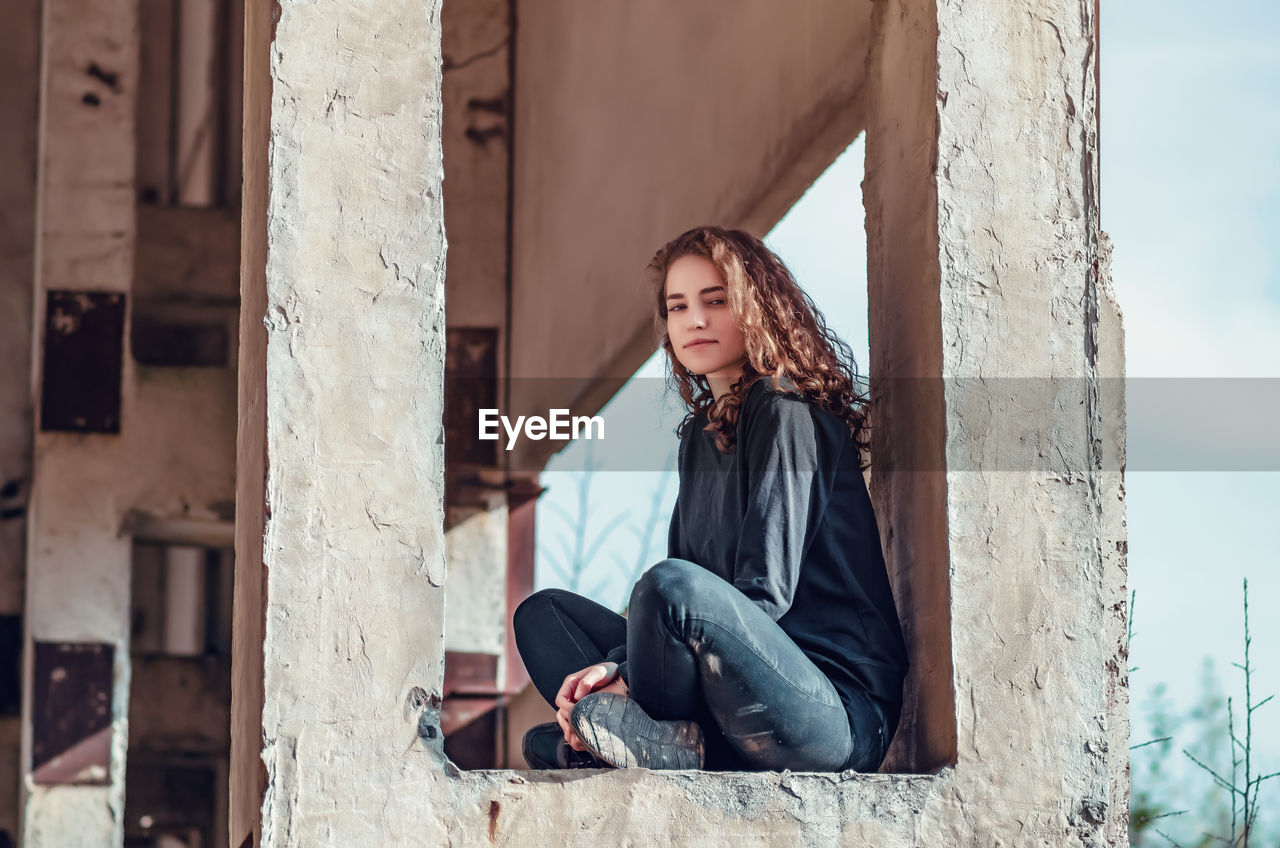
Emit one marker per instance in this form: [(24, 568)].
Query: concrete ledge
[(643, 807)]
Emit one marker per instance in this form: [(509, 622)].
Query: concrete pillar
[(77, 588), (19, 96), (338, 658), (992, 330)]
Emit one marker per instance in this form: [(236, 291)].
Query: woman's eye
[(674, 308), (717, 300)]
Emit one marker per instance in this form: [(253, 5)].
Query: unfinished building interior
[(256, 571)]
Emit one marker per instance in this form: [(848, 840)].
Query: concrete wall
[(982, 193), (1007, 223)]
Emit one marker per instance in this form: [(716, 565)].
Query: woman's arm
[(619, 656), (788, 486), (601, 677)]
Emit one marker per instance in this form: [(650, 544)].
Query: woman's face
[(705, 334)]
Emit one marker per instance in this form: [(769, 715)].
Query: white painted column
[(77, 586), (339, 656), (184, 600)]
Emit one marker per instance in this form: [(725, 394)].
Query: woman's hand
[(601, 677)]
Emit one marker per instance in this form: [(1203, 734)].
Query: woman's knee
[(672, 580), (532, 612)]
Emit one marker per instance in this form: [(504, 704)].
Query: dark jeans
[(698, 649)]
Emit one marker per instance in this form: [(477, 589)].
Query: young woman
[(768, 639)]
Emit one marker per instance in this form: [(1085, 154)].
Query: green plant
[(1224, 811), (1245, 783)]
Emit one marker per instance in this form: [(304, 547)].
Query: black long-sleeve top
[(786, 518)]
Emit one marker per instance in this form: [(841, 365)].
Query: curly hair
[(785, 336)]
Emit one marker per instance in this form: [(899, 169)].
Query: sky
[(1190, 142), (1190, 169)]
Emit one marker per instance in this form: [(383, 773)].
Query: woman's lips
[(700, 343)]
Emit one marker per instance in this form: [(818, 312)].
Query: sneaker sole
[(619, 732)]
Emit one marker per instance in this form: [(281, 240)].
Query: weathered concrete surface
[(344, 264), (1114, 542), (187, 255), (983, 206), (635, 122)]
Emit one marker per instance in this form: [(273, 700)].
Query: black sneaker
[(544, 748), (622, 734)]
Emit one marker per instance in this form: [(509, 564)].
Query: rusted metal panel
[(71, 713), (83, 359)]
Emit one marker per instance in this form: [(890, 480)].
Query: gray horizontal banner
[(1055, 426)]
